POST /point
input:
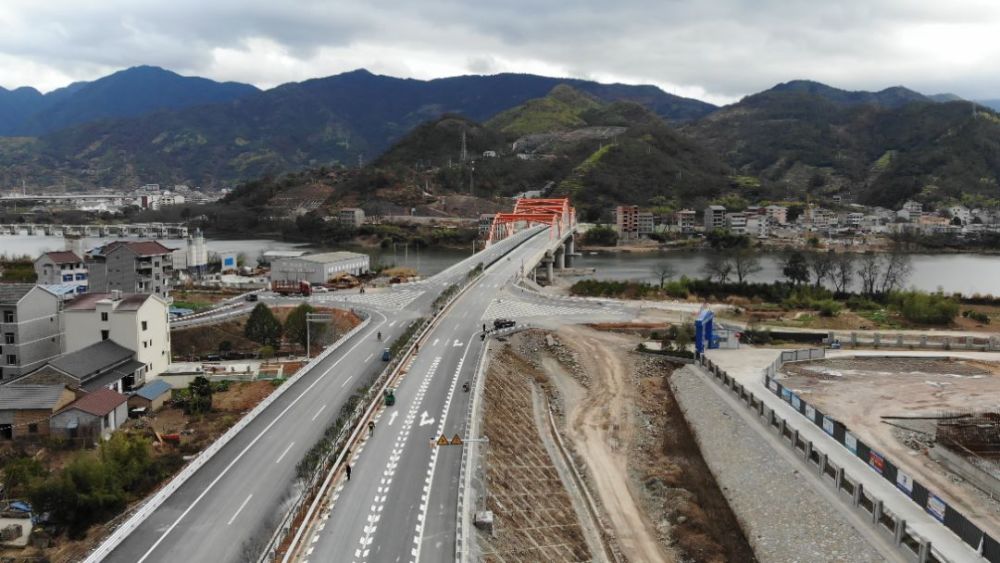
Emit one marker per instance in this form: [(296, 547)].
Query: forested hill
[(325, 121), (880, 148)]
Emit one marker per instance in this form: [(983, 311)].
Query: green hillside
[(560, 110)]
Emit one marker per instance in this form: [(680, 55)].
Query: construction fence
[(932, 503), (908, 540)]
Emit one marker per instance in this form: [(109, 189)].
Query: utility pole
[(465, 154), (472, 172)]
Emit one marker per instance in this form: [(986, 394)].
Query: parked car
[(251, 297), (386, 355)]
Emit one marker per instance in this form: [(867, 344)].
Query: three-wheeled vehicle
[(390, 396)]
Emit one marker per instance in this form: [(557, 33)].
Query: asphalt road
[(228, 508), (401, 503)]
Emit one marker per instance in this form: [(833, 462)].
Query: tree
[(600, 236), (796, 268), (821, 264), (895, 271), (665, 271), (266, 352), (262, 326), (745, 262), (718, 267), (200, 396), (842, 273), (295, 325), (868, 272)]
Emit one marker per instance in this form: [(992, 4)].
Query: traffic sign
[(456, 440), (442, 441)]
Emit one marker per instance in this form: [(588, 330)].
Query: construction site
[(934, 417), (590, 458)]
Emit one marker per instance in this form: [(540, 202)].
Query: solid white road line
[(319, 411), (282, 456), (238, 510), (253, 442)]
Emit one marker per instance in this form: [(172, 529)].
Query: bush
[(600, 236), (977, 316), (925, 308)]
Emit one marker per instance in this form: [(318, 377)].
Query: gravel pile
[(783, 518)]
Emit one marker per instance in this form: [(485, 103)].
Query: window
[(104, 335), (104, 317), (107, 420), (145, 344), (144, 325), (8, 338), (11, 360), (32, 428), (8, 316)]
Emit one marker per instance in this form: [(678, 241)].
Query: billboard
[(936, 507), (796, 402), (876, 461), (904, 482), (811, 413), (851, 442), (828, 425)]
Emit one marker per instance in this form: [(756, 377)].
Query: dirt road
[(600, 426)]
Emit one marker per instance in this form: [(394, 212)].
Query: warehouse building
[(318, 268)]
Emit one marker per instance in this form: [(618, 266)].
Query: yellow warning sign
[(442, 441), (456, 441)]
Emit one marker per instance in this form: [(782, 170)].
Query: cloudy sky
[(715, 50)]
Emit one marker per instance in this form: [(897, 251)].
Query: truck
[(291, 287)]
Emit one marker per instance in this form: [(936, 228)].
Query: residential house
[(150, 396), (757, 226), (95, 415), (715, 218), (913, 211), (131, 267), (351, 216), (685, 220), (736, 223), (30, 331), (25, 409), (104, 365), (63, 267), (138, 322), (777, 213), (961, 213)]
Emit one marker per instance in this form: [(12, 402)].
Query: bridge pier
[(561, 257)]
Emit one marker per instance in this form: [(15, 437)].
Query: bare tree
[(842, 273), (718, 267), (665, 271), (821, 264), (868, 272), (896, 270), (745, 263)]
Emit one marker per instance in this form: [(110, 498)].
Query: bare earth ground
[(859, 391), (534, 518), (661, 502)]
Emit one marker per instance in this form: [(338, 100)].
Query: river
[(964, 273), (427, 261)]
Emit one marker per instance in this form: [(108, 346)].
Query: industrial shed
[(150, 396), (318, 268)]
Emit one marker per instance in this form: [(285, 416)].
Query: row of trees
[(265, 329), (871, 273)]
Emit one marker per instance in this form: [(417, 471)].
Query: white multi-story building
[(685, 220), (137, 321), (914, 210), (854, 219), (961, 212), (757, 226), (736, 223)]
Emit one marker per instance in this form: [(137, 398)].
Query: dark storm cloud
[(716, 50)]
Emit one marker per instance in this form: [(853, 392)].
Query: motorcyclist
[(379, 335)]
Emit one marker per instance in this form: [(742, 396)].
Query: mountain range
[(147, 124)]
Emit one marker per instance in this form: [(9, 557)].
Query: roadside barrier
[(144, 510), (909, 542), (930, 502)]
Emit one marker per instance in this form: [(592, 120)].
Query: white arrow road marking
[(392, 417), (435, 342), (458, 344), (238, 510), (425, 420)]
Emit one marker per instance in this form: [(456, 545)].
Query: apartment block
[(131, 267), (64, 267), (715, 217), (685, 220), (30, 331)]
